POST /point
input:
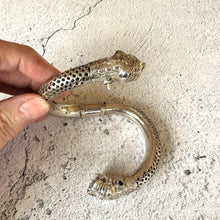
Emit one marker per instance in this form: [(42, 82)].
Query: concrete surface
[(46, 169)]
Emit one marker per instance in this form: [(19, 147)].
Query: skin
[(22, 72)]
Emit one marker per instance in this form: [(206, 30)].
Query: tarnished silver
[(119, 67)]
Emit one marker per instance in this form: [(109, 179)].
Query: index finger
[(15, 57)]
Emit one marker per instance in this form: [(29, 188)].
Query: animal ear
[(100, 176), (119, 54)]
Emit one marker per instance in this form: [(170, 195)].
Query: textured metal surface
[(118, 67)]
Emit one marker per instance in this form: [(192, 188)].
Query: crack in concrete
[(23, 172), (8, 208), (25, 163), (73, 27), (25, 132), (18, 189)]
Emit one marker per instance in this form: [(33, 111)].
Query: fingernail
[(34, 108)]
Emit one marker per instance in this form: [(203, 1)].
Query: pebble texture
[(45, 170)]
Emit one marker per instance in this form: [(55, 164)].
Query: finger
[(62, 96), (15, 79), (16, 57), (17, 112), (42, 118), (11, 90)]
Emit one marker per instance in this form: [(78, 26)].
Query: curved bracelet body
[(123, 67)]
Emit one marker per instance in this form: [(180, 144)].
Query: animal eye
[(120, 182)]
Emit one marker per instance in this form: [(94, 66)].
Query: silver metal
[(122, 67)]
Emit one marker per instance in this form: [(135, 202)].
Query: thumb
[(19, 111)]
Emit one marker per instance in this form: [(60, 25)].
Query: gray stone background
[(45, 170)]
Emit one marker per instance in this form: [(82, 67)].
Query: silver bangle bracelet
[(119, 67)]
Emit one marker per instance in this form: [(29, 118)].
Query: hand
[(21, 67)]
